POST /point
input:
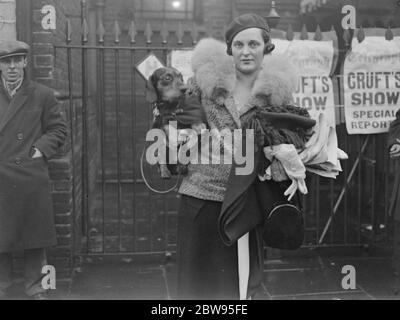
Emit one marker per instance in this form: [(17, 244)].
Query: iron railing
[(108, 121)]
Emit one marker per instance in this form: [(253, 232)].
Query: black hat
[(243, 22), (11, 48)]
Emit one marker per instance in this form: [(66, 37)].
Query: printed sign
[(181, 60), (314, 60), (149, 64), (371, 84)]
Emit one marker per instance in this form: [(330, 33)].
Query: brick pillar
[(61, 256), (43, 69)]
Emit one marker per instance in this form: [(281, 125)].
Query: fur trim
[(277, 80), (215, 75), (213, 68)]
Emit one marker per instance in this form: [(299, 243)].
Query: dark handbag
[(252, 204), (284, 227), (283, 223)]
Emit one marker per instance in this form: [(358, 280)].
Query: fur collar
[(215, 76)]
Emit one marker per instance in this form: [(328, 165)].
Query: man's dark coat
[(31, 118), (394, 133)]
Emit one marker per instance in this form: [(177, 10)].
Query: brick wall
[(50, 67)]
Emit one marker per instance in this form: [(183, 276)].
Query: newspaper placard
[(315, 60), (181, 60), (371, 84), (148, 65)]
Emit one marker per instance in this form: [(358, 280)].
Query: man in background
[(394, 211), (32, 128)]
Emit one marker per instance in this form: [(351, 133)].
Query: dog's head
[(165, 84)]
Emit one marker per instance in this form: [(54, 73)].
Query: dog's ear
[(151, 93)]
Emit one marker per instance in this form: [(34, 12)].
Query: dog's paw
[(164, 172)]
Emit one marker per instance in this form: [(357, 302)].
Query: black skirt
[(207, 268)]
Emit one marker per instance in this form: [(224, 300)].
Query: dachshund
[(167, 93)]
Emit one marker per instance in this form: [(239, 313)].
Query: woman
[(228, 85)]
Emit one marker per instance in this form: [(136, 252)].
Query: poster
[(371, 84), (181, 60), (148, 65), (315, 61)]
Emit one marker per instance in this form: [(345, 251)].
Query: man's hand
[(395, 150), (37, 153)]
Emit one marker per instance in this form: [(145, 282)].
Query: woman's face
[(248, 51)]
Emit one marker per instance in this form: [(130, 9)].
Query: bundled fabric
[(320, 155), (274, 125), (281, 130)]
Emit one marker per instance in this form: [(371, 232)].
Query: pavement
[(285, 278)]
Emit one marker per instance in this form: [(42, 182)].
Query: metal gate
[(116, 214)]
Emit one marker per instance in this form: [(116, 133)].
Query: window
[(165, 9)]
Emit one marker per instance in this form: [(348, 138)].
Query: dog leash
[(174, 188)]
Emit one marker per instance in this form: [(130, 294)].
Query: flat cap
[(10, 48), (245, 21)]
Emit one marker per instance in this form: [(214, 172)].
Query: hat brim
[(15, 54), (243, 28)]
